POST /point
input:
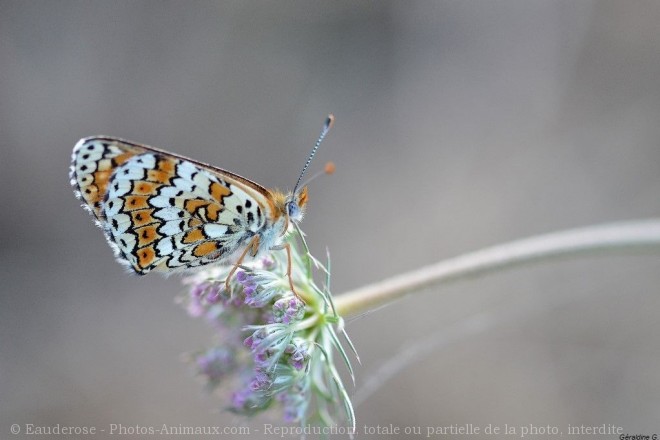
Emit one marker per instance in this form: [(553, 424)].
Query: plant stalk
[(612, 237)]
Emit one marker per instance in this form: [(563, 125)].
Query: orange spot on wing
[(120, 159), (194, 222), (90, 193), (143, 187), (212, 212), (143, 217), (146, 256), (101, 177), (193, 236), (101, 183), (205, 249), (146, 235), (218, 191), (166, 165), (193, 205), (158, 176), (132, 203)]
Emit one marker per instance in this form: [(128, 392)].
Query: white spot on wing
[(119, 188), (169, 213), (164, 246), (112, 207), (213, 230), (171, 227), (186, 169), (182, 185), (146, 160), (129, 242), (129, 171), (170, 191), (122, 221), (160, 202)]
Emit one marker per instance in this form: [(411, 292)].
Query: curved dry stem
[(619, 237)]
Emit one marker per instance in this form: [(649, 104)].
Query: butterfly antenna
[(329, 168), (324, 131)]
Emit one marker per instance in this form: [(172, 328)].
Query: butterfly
[(164, 212)]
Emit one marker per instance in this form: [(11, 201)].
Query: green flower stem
[(611, 237)]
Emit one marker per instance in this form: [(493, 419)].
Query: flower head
[(276, 346)]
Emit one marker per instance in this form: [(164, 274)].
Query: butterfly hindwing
[(164, 212)]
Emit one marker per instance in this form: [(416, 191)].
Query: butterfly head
[(295, 205)]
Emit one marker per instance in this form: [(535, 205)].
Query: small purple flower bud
[(253, 341), (213, 295), (240, 398), (246, 279), (260, 382), (216, 363), (288, 310), (297, 362), (242, 276), (298, 351), (198, 289), (267, 262), (256, 299), (261, 358)]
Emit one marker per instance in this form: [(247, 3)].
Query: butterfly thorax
[(286, 209)]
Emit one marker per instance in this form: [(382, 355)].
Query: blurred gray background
[(459, 125)]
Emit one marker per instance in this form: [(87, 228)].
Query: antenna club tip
[(329, 122), (329, 168)]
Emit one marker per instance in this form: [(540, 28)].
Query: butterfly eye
[(293, 209)]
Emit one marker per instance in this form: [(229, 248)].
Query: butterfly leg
[(287, 246), (253, 246)]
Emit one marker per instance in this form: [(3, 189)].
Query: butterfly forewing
[(162, 211)]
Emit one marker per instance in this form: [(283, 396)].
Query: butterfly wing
[(164, 212)]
